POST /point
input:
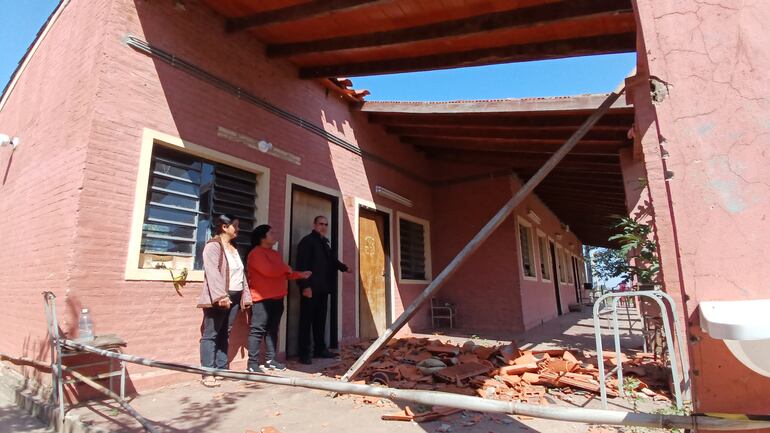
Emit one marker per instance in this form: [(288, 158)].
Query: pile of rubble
[(500, 372)]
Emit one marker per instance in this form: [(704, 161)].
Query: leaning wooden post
[(482, 235)]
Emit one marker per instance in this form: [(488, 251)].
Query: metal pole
[(482, 235), (681, 343), (618, 354), (431, 398), (139, 418), (56, 368), (599, 352)]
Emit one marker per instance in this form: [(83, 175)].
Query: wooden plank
[(295, 13), (617, 120), (555, 190), (512, 154), (537, 149), (516, 18), (489, 228), (594, 45), (582, 186), (513, 163), (611, 137), (460, 142)]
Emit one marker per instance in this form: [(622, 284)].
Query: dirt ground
[(238, 406)]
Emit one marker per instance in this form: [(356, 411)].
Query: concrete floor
[(15, 420), (241, 406)]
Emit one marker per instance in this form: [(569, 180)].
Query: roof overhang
[(341, 38), (518, 135)]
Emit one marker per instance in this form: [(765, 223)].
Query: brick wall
[(41, 183), (489, 289), (137, 91), (73, 179)]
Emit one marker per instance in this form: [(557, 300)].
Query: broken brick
[(569, 357), (530, 377), (484, 352), (461, 372), (467, 357), (518, 369), (527, 358), (443, 349), (398, 416)]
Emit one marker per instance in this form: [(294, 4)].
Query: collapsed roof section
[(585, 190)]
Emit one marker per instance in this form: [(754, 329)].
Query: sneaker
[(209, 382), (274, 365), (259, 370)]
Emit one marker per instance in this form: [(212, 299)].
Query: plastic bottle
[(85, 326)]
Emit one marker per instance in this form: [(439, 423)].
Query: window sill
[(525, 278), (160, 275), (400, 281)]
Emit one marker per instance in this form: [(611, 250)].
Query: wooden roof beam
[(614, 120), (471, 143), (513, 155), (497, 161), (511, 19), (521, 133), (604, 44), (523, 148), (534, 158), (294, 13), (577, 190), (578, 186)]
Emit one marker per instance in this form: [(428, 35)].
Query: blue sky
[(21, 19), (594, 74)]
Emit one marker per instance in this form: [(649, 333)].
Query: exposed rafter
[(604, 44), (516, 18), (294, 13), (617, 121), (520, 134)]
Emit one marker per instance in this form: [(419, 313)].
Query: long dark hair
[(219, 221), (258, 234)]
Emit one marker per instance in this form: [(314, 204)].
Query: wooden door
[(305, 206), (556, 275), (373, 287)]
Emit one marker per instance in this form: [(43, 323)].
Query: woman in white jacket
[(225, 291)]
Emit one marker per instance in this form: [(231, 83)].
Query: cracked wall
[(712, 216)]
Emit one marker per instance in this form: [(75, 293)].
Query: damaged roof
[(585, 190)]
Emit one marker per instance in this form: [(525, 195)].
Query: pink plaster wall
[(711, 218), (502, 301)]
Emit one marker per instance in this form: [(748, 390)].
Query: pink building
[(139, 120)]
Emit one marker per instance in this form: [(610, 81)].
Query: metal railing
[(681, 388)]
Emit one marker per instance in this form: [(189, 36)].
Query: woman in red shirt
[(267, 276)]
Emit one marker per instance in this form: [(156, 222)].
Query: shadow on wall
[(197, 109)]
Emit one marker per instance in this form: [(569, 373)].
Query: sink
[(745, 328)]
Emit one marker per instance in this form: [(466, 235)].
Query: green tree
[(608, 264), (635, 243)]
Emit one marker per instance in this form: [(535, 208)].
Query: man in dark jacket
[(314, 254)]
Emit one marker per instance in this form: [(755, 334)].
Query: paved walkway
[(15, 420), (240, 406)]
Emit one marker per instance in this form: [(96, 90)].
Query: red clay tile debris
[(497, 372)]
